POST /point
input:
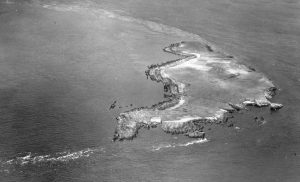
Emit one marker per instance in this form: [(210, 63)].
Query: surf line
[(162, 146)]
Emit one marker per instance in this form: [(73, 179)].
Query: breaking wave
[(162, 146), (30, 158)]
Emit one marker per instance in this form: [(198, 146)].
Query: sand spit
[(202, 87)]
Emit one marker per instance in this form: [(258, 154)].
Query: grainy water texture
[(64, 63)]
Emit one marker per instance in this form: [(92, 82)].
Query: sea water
[(59, 78)]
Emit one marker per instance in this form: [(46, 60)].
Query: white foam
[(29, 158), (194, 64), (155, 120), (181, 87), (237, 71), (219, 114), (180, 103), (62, 7), (164, 74), (193, 142), (182, 120), (158, 147), (209, 59), (249, 102), (173, 145)]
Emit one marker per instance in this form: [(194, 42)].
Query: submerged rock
[(200, 88), (230, 125), (113, 105), (260, 120)]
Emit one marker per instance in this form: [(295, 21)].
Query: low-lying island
[(201, 87)]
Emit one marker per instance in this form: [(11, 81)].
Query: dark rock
[(232, 76), (230, 125), (195, 134), (260, 120), (153, 125), (209, 48), (251, 68), (225, 119), (270, 92), (113, 105)]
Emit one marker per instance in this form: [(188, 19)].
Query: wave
[(162, 146), (66, 156)]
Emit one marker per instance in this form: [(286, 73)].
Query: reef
[(203, 86)]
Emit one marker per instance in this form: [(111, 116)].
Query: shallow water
[(59, 77)]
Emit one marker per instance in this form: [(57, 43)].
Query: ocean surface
[(63, 63)]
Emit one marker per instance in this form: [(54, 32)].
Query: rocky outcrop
[(200, 88), (275, 106)]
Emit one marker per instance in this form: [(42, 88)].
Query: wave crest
[(162, 146), (66, 156)]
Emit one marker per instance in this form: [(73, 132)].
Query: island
[(203, 86)]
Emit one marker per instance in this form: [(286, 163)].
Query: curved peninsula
[(201, 87)]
